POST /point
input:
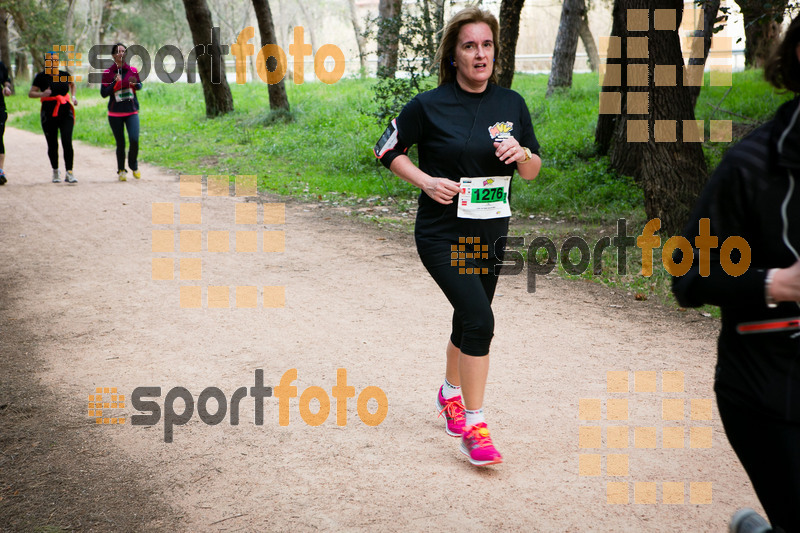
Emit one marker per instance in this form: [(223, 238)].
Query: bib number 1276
[(482, 196)]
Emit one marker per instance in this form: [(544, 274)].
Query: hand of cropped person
[(785, 286)]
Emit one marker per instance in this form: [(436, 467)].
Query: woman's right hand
[(441, 189), (47, 92)]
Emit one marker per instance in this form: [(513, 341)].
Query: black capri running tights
[(51, 126), (769, 450), (3, 117), (471, 297)]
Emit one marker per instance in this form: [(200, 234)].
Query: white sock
[(449, 390), (474, 417)]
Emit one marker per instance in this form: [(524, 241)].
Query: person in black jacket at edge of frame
[(754, 194)]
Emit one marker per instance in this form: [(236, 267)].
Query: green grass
[(323, 150), (326, 149)]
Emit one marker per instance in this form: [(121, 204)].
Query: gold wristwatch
[(528, 155)]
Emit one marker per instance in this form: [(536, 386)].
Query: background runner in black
[(57, 115), (754, 194), (5, 83), (466, 127)]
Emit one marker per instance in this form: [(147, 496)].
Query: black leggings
[(51, 126), (3, 117), (769, 450), (471, 297), (118, 125)]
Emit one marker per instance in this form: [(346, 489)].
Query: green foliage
[(391, 94), (323, 148), (169, 27), (748, 103), (417, 32), (573, 180), (40, 24)]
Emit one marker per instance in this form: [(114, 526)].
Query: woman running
[(119, 85), (57, 94), (5, 82), (471, 135)]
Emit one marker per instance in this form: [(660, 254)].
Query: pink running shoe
[(453, 411), (477, 445)]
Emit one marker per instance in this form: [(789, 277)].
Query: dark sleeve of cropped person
[(752, 199)]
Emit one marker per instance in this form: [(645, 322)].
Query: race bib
[(484, 198), (124, 94)]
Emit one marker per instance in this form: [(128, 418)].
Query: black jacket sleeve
[(725, 202)]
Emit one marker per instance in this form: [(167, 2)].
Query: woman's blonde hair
[(447, 46)]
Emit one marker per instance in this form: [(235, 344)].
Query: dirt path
[(79, 310)]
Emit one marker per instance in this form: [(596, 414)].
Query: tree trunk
[(68, 23), (510, 11), (309, 27), (21, 67), (5, 52), (670, 171), (95, 21), (389, 22), (439, 19), (607, 123), (710, 10), (105, 17), (266, 29), (433, 19), (761, 29), (566, 45), (361, 41), (589, 43), (216, 92)]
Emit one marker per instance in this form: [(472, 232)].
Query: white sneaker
[(69, 178), (56, 178)]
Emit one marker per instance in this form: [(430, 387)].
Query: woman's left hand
[(509, 151), (74, 101)]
